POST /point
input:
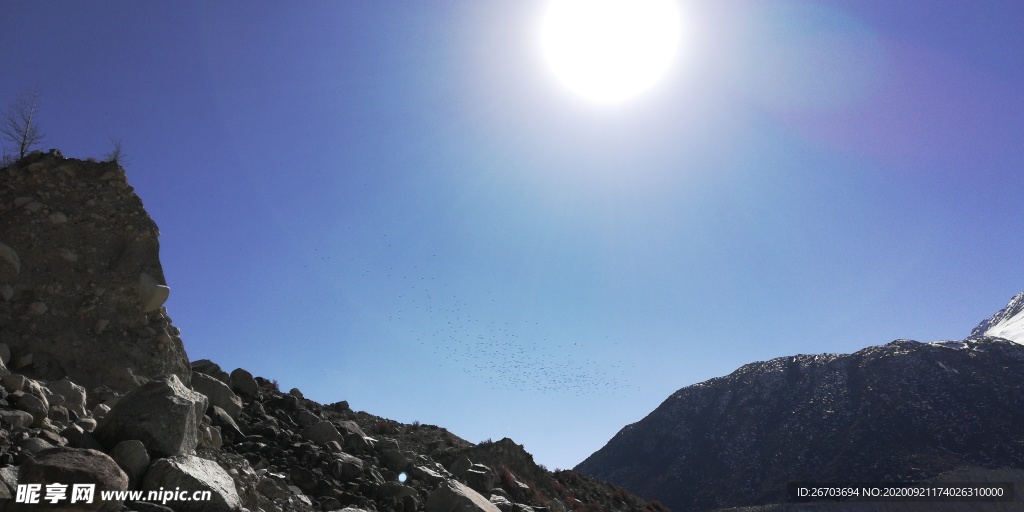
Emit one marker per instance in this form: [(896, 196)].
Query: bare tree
[(19, 124), (116, 153)]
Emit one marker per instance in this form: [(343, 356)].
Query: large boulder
[(218, 392), (207, 367), (346, 467), (243, 383), (163, 414), (480, 478), (70, 466), (81, 278), (133, 459), (323, 433), (454, 496), (30, 404), (196, 475)]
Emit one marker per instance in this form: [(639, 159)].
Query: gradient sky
[(396, 203)]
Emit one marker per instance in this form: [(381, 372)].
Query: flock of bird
[(462, 335)]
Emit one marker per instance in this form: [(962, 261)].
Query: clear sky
[(398, 204)]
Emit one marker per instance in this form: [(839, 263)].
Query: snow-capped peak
[(1007, 323)]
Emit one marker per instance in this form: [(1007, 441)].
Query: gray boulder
[(220, 418), (460, 466), (163, 414), (79, 438), (346, 468), (32, 405), (72, 466), (350, 427), (218, 392), (34, 445), (207, 367), (480, 478), (434, 476), (131, 456), (195, 474), (394, 459), (323, 433), (59, 414), (454, 496), (243, 383), (16, 418), (74, 395), (13, 382)]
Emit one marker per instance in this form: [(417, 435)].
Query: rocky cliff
[(81, 284), (905, 411), (95, 388)]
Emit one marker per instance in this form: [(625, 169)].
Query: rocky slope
[(905, 411), (95, 388)]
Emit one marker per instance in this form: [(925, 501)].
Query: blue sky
[(398, 205)]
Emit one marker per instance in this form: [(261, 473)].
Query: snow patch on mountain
[(1008, 323)]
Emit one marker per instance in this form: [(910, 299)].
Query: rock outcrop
[(80, 277)]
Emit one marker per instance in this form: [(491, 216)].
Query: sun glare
[(610, 50)]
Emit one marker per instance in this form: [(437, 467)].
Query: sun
[(610, 50)]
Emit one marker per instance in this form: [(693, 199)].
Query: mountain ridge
[(1007, 323), (901, 411)]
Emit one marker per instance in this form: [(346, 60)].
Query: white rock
[(7, 253), (193, 473), (68, 256), (37, 307), (152, 294), (457, 497), (101, 324), (58, 218), (100, 410)]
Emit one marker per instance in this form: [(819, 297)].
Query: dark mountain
[(905, 411)]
